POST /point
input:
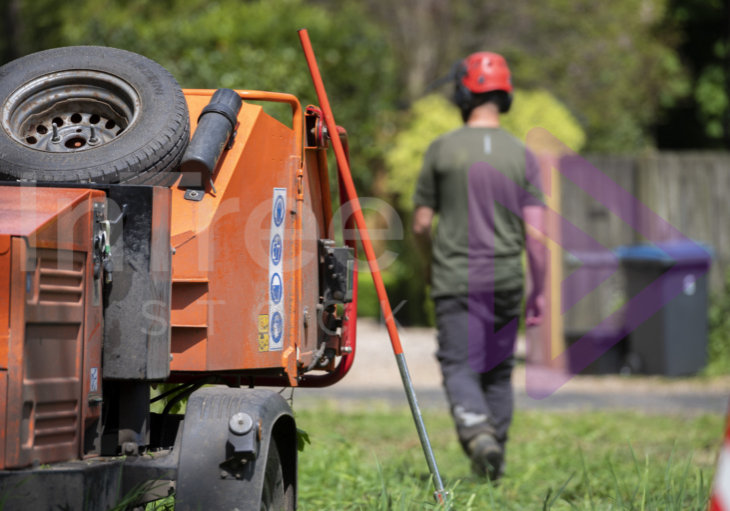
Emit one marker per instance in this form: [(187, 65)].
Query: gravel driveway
[(374, 381)]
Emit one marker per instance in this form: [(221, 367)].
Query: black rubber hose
[(175, 400), (176, 389), (216, 124)]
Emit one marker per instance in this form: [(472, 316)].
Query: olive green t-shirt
[(479, 239)]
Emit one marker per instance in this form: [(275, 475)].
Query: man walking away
[(477, 276)]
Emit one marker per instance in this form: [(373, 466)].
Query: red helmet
[(486, 72)]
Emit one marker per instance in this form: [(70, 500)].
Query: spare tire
[(90, 114)]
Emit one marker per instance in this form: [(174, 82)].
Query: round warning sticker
[(276, 249), (277, 312), (277, 290), (277, 327), (279, 208)]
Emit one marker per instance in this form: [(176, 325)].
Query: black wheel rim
[(70, 111)]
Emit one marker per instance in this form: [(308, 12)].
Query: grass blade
[(588, 481)]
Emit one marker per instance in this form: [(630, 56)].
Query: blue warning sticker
[(276, 249), (94, 380), (277, 328), (279, 209), (277, 317), (277, 288)]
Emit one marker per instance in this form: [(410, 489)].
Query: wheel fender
[(211, 474)]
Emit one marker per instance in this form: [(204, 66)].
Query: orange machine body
[(221, 282), (54, 305), (50, 318)]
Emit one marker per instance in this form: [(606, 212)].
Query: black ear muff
[(507, 104), (463, 97)]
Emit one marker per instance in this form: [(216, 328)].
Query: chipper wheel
[(273, 496), (238, 451), (90, 114)]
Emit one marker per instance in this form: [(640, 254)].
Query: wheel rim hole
[(79, 130), (75, 143), (94, 119), (58, 121), (76, 118), (42, 130), (120, 131), (31, 140), (110, 125)]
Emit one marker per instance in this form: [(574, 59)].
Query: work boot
[(486, 456)]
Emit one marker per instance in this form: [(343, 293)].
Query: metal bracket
[(102, 259), (122, 216), (232, 140), (102, 242), (336, 272), (242, 437), (194, 194), (97, 255)]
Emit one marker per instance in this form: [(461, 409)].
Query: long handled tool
[(346, 177)]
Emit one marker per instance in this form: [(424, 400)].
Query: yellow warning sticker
[(263, 332)]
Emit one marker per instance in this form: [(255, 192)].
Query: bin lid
[(604, 258), (669, 252)]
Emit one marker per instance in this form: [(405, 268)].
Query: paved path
[(429, 399), (374, 381)]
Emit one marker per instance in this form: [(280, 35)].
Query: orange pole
[(349, 186)]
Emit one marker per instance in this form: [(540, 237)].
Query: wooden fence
[(690, 190)]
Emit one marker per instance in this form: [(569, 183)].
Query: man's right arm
[(422, 226), (426, 200)]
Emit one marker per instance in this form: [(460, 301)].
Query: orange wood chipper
[(132, 254)]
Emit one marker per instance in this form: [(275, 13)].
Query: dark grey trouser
[(480, 401)]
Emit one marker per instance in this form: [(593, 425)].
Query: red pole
[(351, 192), (346, 177)]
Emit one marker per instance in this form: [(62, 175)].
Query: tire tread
[(151, 163)]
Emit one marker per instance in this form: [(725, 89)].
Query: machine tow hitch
[(344, 168)]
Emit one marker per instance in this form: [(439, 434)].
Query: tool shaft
[(367, 245)]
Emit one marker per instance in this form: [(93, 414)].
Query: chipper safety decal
[(263, 332), (276, 263)]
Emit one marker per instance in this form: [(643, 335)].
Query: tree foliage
[(613, 64), (249, 45), (707, 50), (596, 74)]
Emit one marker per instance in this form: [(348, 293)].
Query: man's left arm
[(533, 213), (534, 217)]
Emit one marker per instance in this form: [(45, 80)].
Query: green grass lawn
[(371, 460)]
